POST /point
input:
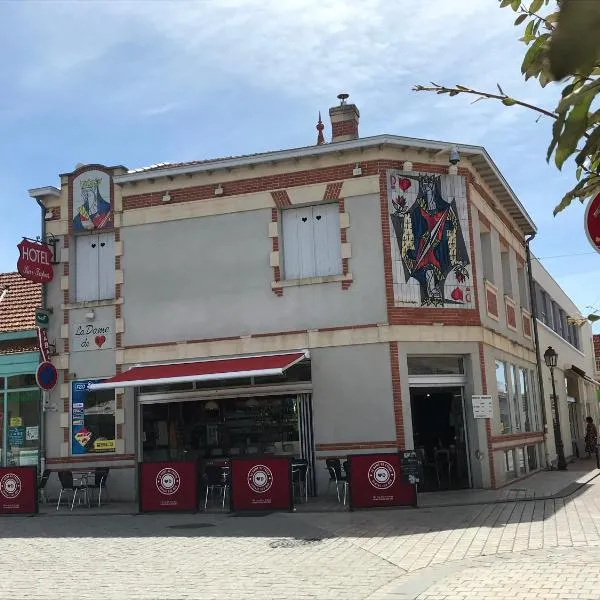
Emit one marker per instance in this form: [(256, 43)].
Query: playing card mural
[(92, 419), (430, 233), (92, 201)]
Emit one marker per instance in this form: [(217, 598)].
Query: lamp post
[(551, 359)]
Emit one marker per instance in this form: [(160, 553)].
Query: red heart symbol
[(404, 184), (99, 339), (457, 294)]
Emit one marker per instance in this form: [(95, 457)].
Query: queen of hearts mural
[(430, 239), (91, 201)]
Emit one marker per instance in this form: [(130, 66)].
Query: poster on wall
[(431, 263), (92, 336), (92, 419), (92, 201)]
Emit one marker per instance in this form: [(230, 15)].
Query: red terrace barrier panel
[(18, 490), (261, 484), (376, 480), (168, 486)]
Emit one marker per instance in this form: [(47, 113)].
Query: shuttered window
[(94, 267), (311, 241)]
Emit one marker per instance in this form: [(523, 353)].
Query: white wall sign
[(92, 336), (482, 407)]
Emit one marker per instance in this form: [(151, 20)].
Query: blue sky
[(137, 83)]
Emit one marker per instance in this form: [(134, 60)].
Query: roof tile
[(20, 298)]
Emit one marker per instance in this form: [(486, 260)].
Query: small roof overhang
[(584, 376), (237, 367)]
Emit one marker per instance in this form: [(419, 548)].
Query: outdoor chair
[(41, 486), (216, 478), (334, 467), (67, 485), (300, 477), (100, 477)]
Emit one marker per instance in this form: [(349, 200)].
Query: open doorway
[(439, 436)]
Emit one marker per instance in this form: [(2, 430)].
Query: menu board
[(410, 466)]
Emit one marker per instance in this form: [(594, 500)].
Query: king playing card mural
[(92, 201), (430, 256)]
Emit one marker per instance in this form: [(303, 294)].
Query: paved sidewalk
[(503, 550)]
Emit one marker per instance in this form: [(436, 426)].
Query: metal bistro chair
[(334, 467), (100, 477), (216, 478), (300, 477), (42, 485), (67, 485)]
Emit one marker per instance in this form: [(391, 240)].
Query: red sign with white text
[(592, 222), (261, 484), (35, 261), (375, 480), (168, 486), (18, 490)]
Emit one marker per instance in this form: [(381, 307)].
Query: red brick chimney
[(344, 120)]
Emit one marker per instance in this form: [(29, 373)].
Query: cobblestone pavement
[(512, 550)]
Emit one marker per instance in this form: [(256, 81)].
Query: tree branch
[(505, 99)]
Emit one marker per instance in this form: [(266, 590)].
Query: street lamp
[(551, 359)]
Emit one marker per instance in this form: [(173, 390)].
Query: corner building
[(347, 297)]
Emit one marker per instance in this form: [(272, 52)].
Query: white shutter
[(327, 240), (86, 268), (298, 243), (106, 266)]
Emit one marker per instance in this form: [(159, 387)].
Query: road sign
[(46, 376), (42, 318), (592, 222)]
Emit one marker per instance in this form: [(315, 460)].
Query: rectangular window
[(514, 399), (94, 267), (22, 427), (521, 458), (503, 401), (549, 311), (525, 399), (541, 304), (506, 273), (312, 241), (487, 256), (577, 344), (533, 393), (435, 365), (92, 419), (523, 288), (509, 463), (557, 319)]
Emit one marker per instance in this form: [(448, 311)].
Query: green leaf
[(515, 4), (529, 29), (575, 44), (575, 127), (509, 101), (521, 18), (591, 146), (535, 6), (532, 63), (453, 93), (593, 318), (505, 3)]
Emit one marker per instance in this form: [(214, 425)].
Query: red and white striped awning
[(237, 367)]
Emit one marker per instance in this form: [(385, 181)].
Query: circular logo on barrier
[(168, 481), (382, 475), (10, 486), (260, 479)]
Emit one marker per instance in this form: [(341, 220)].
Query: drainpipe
[(536, 339), (42, 412)]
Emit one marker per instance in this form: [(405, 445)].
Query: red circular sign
[(592, 222), (35, 261), (382, 475), (10, 486), (46, 376), (168, 481), (260, 479)]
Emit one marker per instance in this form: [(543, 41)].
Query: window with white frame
[(514, 399), (311, 241), (503, 400), (94, 267)]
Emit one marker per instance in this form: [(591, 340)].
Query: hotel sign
[(35, 261)]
